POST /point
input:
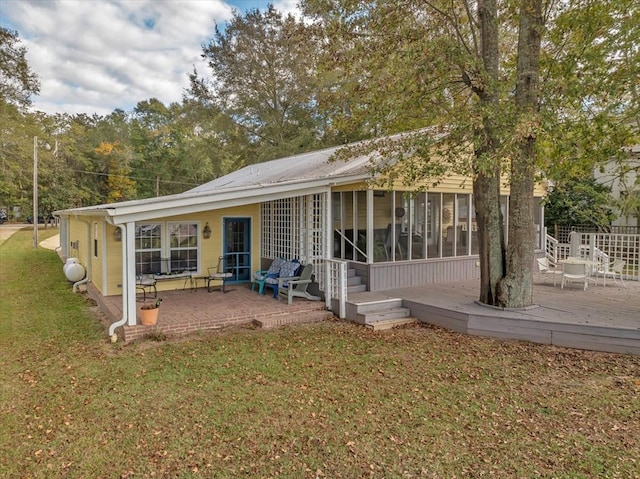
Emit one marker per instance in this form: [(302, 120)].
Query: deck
[(602, 318)]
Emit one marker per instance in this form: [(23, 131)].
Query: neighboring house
[(303, 207), (623, 176)]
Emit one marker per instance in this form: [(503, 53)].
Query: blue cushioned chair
[(288, 270), (259, 277)]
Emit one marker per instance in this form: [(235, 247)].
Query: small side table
[(194, 282)]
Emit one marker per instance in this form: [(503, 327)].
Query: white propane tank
[(73, 270)]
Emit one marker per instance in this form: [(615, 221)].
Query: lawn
[(329, 400)]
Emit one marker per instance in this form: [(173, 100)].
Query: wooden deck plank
[(602, 318)]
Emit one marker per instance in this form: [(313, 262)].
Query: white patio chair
[(614, 270), (297, 286), (574, 272), (547, 267)]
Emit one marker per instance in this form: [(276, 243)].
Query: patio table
[(194, 282)]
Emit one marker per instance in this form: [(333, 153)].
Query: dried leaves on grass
[(328, 400)]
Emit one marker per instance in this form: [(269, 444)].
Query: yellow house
[(305, 206)]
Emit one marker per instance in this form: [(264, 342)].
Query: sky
[(94, 56)]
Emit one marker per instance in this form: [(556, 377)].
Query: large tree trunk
[(486, 184), (486, 193), (516, 289)]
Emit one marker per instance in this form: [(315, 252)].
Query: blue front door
[(237, 248)]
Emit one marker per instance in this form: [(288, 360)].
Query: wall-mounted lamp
[(206, 231), (117, 234)]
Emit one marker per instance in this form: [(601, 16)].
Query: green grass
[(327, 400)]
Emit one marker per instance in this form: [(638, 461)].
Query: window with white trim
[(183, 247), (148, 245), (171, 250)]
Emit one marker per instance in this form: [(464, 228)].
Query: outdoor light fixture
[(117, 234), (206, 232)]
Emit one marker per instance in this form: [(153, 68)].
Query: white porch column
[(370, 239), (328, 246), (129, 271)]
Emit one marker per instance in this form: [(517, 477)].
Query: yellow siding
[(113, 263), (80, 236), (97, 251), (210, 250), (449, 184)]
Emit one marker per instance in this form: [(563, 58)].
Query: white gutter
[(125, 277)]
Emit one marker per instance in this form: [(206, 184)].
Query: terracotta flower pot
[(149, 317)]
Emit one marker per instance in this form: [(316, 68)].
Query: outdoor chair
[(614, 270), (218, 273), (546, 268), (574, 272), (289, 270), (146, 281), (259, 277), (297, 286)]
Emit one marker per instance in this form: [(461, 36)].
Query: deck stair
[(354, 282), (391, 323), (274, 321), (378, 312)]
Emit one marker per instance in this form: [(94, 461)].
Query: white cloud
[(95, 56)]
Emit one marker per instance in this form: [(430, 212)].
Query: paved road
[(6, 230)]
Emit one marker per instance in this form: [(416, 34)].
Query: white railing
[(551, 247), (601, 248), (335, 284)]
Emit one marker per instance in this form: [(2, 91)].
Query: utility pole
[(35, 192)]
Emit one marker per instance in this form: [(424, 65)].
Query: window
[(183, 247), (95, 240), (176, 253), (462, 225), (148, 248)]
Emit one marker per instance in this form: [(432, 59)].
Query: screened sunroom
[(391, 238), (407, 226)]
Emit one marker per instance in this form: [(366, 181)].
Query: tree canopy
[(17, 81), (263, 80), (522, 88)]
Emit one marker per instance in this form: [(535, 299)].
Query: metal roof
[(291, 176), (310, 166)]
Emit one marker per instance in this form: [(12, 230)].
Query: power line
[(133, 177)]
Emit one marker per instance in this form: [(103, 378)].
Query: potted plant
[(149, 312)]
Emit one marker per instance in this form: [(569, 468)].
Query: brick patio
[(185, 311)]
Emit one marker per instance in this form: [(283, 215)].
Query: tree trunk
[(486, 193), (486, 184), (516, 290)]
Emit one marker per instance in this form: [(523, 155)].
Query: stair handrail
[(551, 247), (351, 243)]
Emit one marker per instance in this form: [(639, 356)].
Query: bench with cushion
[(289, 269), (259, 277)]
